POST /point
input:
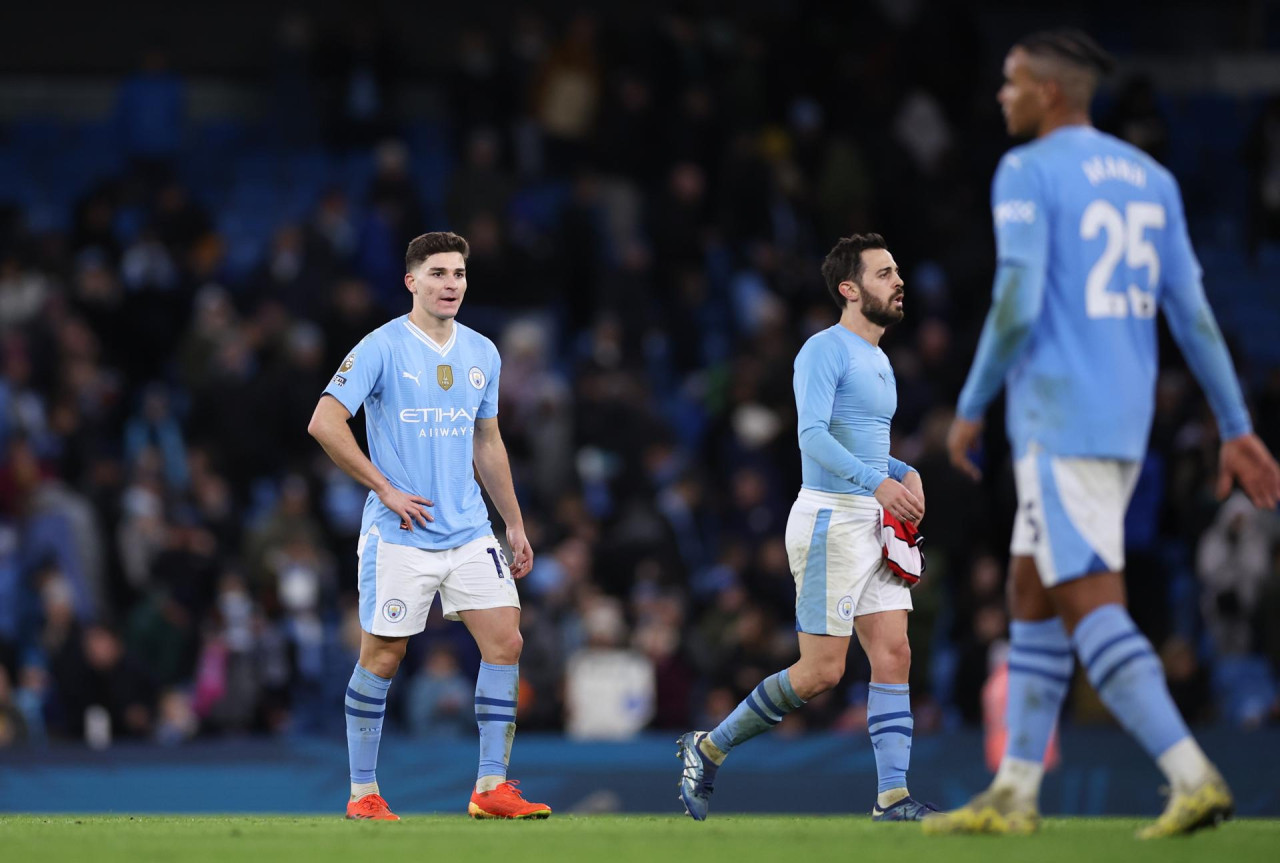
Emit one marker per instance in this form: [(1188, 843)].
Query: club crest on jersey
[(393, 610), (844, 607), (347, 363), (444, 376), (476, 377)]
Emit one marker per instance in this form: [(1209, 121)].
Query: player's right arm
[(1244, 456), (357, 378), (1022, 261), (818, 369), (329, 427)]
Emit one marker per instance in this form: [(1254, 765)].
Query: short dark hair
[(844, 262), (426, 245), (1074, 46)]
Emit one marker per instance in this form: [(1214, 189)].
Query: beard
[(882, 314)]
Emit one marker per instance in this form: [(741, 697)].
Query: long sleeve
[(1195, 329), (1022, 252), (899, 469), (1018, 297)]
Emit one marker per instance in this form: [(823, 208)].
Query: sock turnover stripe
[(364, 714), (891, 729), (768, 702), (494, 702), (788, 691), (495, 717), (1108, 644), (766, 717), (366, 699), (1060, 652), (884, 688), (1039, 672), (881, 717), (1052, 662), (1137, 654)]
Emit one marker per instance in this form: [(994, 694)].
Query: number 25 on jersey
[(1125, 238)]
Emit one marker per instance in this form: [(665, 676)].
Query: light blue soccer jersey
[(421, 402), (1091, 239), (846, 396)]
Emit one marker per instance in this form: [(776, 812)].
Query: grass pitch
[(598, 839)]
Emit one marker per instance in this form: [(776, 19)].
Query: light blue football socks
[(890, 724), (497, 687), (366, 704), (1129, 678), (758, 712), (1040, 667), (1124, 669)]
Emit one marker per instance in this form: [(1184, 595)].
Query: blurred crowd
[(647, 210)]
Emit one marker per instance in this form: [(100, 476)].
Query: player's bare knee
[(891, 663), (384, 663), (506, 650), (827, 676)]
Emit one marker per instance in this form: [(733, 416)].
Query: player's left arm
[(1244, 457), (494, 468), (910, 479), (1195, 328)]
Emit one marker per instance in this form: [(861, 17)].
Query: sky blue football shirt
[(1091, 240), (846, 396), (421, 402)]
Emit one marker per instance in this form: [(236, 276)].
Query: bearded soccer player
[(429, 387), (846, 396), (1091, 240)]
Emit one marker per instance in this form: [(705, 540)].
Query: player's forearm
[(819, 444), (490, 456), (1004, 336), (1194, 328), (899, 469), (340, 445), (987, 373)]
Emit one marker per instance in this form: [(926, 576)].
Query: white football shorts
[(1071, 513), (398, 583), (833, 544)]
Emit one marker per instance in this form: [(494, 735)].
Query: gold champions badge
[(444, 376)]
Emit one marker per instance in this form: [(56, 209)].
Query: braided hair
[(1071, 45)]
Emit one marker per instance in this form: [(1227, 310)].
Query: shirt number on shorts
[(498, 559), (1033, 521)]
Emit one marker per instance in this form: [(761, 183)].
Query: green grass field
[(606, 839)]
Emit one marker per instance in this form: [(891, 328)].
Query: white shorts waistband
[(837, 501)]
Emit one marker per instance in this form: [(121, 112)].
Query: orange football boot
[(505, 801), (371, 807)]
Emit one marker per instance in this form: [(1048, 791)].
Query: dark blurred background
[(202, 211)]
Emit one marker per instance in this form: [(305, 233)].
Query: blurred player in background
[(1091, 240), (846, 396), (429, 387)]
